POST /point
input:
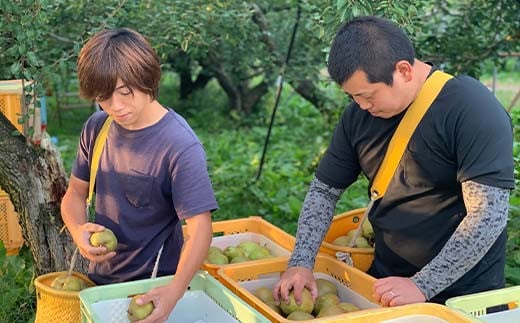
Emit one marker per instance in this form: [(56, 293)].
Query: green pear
[(348, 307), (69, 283), (232, 252), (213, 249), (325, 301), (57, 283), (344, 240), (362, 242), (341, 241), (330, 310), (326, 287), (248, 247), (239, 259), (259, 253), (264, 293), (306, 303), (217, 259), (367, 230), (299, 316), (105, 238), (137, 312), (275, 307)]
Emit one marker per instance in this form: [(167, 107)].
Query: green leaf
[(22, 49), (516, 257), (340, 4), (32, 59), (15, 68)]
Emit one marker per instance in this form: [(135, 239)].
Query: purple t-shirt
[(148, 180)]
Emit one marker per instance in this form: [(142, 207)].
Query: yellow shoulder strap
[(99, 144), (406, 128)]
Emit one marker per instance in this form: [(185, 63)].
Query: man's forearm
[(486, 218), (196, 243), (315, 218)]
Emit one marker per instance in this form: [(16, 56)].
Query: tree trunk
[(35, 180), (187, 86), (182, 63)]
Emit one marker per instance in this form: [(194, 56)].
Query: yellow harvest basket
[(54, 305), (353, 285), (341, 224), (413, 313), (253, 228)]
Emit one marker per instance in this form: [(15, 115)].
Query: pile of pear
[(245, 251), (365, 240), (328, 302)]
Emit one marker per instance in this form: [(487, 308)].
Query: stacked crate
[(12, 96), (10, 230)]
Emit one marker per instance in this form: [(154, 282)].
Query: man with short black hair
[(440, 229)]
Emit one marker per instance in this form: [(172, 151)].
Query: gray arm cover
[(486, 218), (315, 218)]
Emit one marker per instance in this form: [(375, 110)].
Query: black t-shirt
[(465, 135)]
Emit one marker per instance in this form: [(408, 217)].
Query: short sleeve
[(339, 167), (483, 139), (192, 192), (81, 165)]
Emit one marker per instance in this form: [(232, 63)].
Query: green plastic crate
[(477, 304), (206, 300)]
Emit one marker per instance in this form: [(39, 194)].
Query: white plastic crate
[(188, 310), (206, 300), (510, 316)]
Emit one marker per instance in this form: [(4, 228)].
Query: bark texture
[(35, 180)]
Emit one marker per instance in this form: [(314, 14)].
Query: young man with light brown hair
[(152, 174)]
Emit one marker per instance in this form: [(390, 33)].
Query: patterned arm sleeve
[(315, 218), (486, 218)]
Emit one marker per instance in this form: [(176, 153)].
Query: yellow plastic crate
[(478, 303), (413, 313), (358, 283), (10, 230), (341, 224), (11, 107), (57, 305), (206, 300), (232, 232)]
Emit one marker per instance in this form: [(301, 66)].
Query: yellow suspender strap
[(406, 128), (99, 144)]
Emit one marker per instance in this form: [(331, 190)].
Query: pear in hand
[(105, 238), (138, 312)]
